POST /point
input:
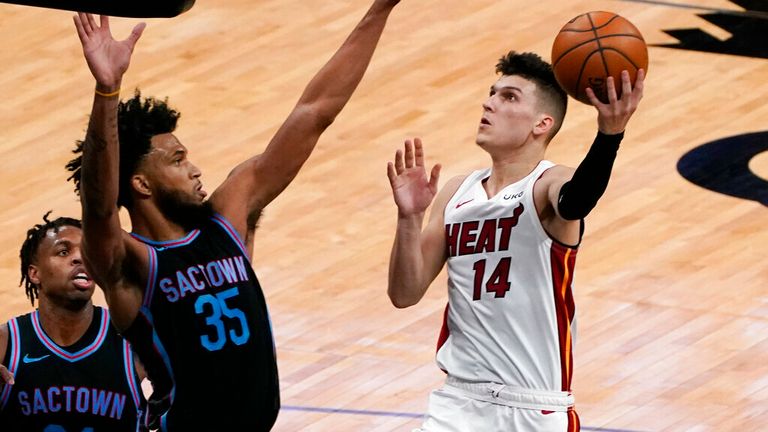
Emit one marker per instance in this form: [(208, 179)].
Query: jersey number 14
[(497, 283)]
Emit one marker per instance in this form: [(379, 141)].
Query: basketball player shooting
[(181, 287), (509, 234)]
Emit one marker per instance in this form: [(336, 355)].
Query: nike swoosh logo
[(465, 202), (28, 359)]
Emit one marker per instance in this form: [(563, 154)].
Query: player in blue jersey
[(180, 286), (69, 368)]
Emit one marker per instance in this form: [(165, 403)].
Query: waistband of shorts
[(512, 396)]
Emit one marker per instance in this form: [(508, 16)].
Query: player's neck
[(149, 222), (512, 166), (63, 325)]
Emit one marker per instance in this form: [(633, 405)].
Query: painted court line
[(747, 13), (403, 414)]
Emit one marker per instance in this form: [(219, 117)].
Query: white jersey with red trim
[(510, 314)]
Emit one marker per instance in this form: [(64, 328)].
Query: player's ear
[(33, 274), (140, 184), (543, 125)]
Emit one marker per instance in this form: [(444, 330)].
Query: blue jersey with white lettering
[(90, 386), (204, 335)]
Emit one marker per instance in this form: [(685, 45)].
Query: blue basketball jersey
[(90, 386), (204, 335)]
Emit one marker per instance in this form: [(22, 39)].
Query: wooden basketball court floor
[(671, 282)]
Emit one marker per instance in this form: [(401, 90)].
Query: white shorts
[(486, 407)]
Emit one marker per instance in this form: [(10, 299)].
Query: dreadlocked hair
[(28, 253), (533, 68), (138, 120)]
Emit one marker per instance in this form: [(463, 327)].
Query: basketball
[(593, 46)]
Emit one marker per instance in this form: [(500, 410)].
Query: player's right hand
[(612, 117), (412, 191)]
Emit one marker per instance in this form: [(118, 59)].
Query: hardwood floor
[(671, 282)]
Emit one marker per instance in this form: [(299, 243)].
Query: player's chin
[(481, 140), (78, 298)]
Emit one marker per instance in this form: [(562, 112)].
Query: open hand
[(412, 190), (107, 58)]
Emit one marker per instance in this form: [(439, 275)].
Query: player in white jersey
[(509, 234)]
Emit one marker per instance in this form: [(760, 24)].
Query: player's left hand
[(6, 377), (612, 118), (107, 58)]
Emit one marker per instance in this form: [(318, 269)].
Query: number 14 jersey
[(205, 336), (510, 314)]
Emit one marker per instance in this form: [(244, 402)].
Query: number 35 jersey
[(204, 335), (510, 310)]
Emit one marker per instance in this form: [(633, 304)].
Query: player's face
[(509, 114), (174, 183), (172, 174), (59, 270)]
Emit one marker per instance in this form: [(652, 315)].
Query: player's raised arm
[(108, 60), (417, 255), (259, 180), (574, 197)]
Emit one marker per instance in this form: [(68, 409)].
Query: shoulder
[(137, 255), (557, 172), (453, 184), (447, 192), (547, 187), (553, 176)]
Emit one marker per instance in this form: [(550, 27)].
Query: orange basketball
[(594, 46)]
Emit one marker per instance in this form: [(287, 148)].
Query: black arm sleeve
[(579, 195)]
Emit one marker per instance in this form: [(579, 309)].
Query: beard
[(179, 209), (73, 301)]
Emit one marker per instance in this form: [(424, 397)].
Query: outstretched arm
[(108, 59), (255, 183), (573, 194), (417, 255)]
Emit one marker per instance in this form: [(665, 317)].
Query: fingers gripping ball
[(594, 46)]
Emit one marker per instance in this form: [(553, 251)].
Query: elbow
[(574, 204), (318, 115), (401, 301), (401, 304)]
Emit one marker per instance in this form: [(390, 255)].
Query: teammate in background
[(71, 370), (180, 286), (509, 234)]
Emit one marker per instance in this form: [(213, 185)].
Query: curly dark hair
[(28, 253), (531, 67), (138, 120)]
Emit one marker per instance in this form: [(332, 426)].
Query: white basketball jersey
[(510, 314)]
